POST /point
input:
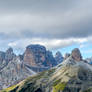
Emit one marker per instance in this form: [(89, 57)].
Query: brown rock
[(37, 55), (76, 55), (34, 55), (29, 57)]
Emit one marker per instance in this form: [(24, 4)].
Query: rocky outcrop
[(13, 73), (49, 60), (58, 57), (12, 69), (37, 55), (2, 56), (76, 55), (9, 55), (5, 57), (2, 60)]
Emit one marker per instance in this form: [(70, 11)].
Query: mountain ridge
[(14, 69), (71, 75)]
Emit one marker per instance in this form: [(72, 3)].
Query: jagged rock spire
[(58, 57), (9, 50), (9, 55)]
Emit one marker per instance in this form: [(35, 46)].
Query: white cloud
[(49, 43)]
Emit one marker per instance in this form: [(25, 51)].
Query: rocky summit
[(5, 57), (76, 54), (9, 55), (58, 57), (37, 55), (71, 75)]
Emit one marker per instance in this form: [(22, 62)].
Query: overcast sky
[(54, 23)]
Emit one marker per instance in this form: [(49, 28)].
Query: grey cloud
[(45, 19), (36, 5)]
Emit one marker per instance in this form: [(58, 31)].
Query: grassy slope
[(48, 81), (32, 83)]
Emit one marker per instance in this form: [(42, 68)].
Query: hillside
[(73, 75)]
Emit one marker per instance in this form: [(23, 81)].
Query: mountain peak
[(9, 50), (58, 57), (76, 54), (58, 53), (73, 58), (37, 55), (9, 55), (35, 46)]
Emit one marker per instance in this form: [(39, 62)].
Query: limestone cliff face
[(37, 55), (29, 57)]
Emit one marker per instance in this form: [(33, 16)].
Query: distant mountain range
[(35, 59), (72, 75)]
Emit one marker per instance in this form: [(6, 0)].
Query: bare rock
[(9, 55), (76, 55), (37, 55), (2, 55), (58, 57)]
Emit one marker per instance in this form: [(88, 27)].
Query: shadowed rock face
[(76, 54), (9, 55), (37, 55), (5, 57), (2, 56), (58, 57)]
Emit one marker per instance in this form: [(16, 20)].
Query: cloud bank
[(55, 24)]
